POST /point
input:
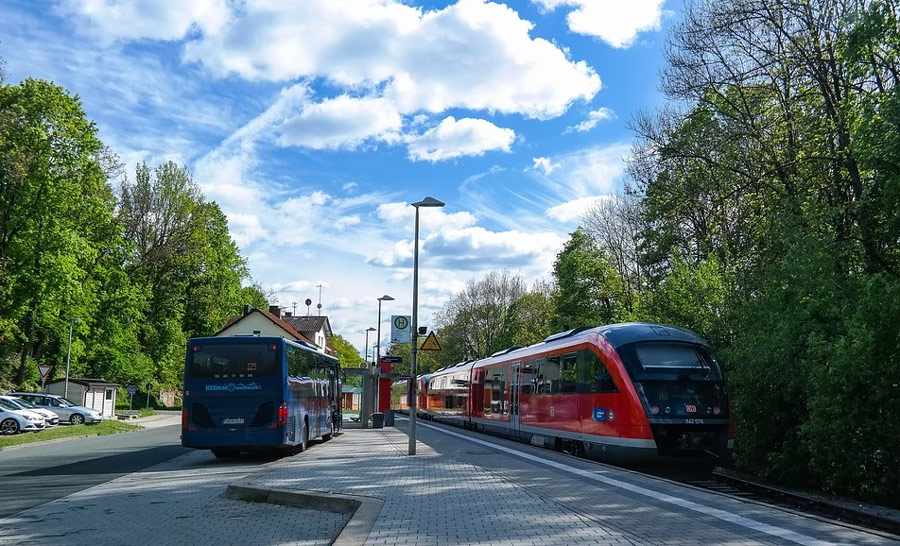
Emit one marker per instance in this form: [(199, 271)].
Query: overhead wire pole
[(414, 326)]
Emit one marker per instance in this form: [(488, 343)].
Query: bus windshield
[(233, 360)]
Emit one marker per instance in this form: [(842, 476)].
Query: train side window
[(551, 369), (488, 380), (568, 366), (529, 377), (501, 407), (593, 377)]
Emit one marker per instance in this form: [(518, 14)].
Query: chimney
[(275, 310), (246, 310), (287, 313)]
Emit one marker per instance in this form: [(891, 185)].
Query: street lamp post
[(427, 202), (378, 341), (369, 329), (68, 357), (374, 389)]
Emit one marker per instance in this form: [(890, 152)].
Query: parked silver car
[(63, 407), (50, 418)]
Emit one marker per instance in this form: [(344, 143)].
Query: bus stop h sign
[(400, 328)]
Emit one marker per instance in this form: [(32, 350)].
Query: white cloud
[(347, 221), (476, 249), (543, 164), (113, 20), (594, 117), (587, 173), (616, 23), (572, 211), (452, 138), (342, 122), (403, 214), (472, 54)]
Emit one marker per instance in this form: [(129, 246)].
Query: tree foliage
[(591, 292), (768, 218), (477, 321), (131, 280)]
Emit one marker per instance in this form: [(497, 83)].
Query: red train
[(630, 393)]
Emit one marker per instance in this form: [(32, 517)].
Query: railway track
[(724, 482)]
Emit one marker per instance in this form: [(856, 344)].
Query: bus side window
[(298, 362)]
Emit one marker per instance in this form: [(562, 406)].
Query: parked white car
[(50, 418), (14, 420)]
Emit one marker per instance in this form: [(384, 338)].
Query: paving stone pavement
[(178, 502), (433, 500), (452, 492), (473, 494)]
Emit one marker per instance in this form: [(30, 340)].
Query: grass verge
[(65, 431), (141, 412)]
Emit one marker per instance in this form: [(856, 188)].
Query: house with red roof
[(257, 322)]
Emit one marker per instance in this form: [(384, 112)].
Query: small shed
[(97, 394), (350, 397)]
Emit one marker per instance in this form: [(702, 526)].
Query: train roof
[(630, 332), (616, 334)]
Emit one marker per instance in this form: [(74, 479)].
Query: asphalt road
[(39, 473)]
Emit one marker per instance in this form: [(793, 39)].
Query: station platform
[(466, 488)]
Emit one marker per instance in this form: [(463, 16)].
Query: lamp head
[(385, 298), (370, 329), (429, 202)]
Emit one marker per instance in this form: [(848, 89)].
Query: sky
[(315, 123)]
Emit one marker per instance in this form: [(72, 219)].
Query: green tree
[(58, 239), (255, 295), (777, 186), (531, 315), (590, 292), (476, 322), (184, 260), (346, 352)]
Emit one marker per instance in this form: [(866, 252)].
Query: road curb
[(364, 510)]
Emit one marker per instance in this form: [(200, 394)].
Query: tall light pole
[(68, 356), (378, 341), (369, 329), (427, 202)]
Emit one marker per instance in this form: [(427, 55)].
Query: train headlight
[(717, 410), (654, 410), (668, 410)]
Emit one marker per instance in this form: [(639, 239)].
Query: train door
[(514, 398)]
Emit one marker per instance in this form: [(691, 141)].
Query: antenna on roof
[(294, 306), (319, 305)]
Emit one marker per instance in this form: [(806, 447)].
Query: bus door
[(514, 397)]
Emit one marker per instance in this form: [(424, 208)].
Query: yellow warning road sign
[(431, 343)]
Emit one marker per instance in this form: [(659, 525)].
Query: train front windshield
[(676, 379)]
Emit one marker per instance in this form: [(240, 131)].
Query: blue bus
[(245, 393)]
